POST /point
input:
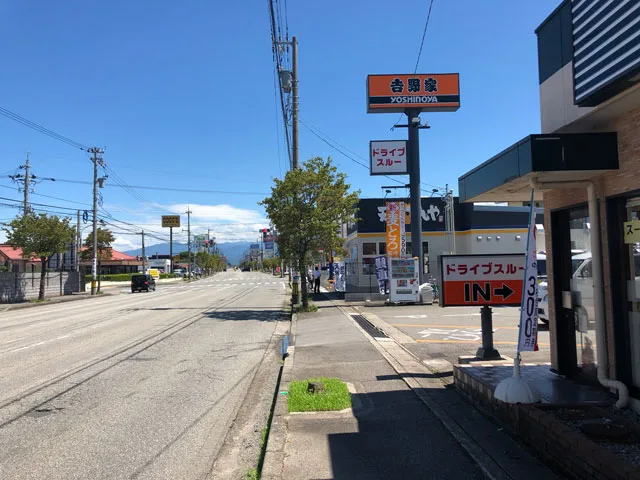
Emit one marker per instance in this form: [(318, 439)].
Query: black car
[(142, 282)]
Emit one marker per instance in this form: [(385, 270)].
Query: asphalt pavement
[(128, 385), (431, 331)]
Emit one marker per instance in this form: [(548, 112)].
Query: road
[(455, 331), (128, 385)]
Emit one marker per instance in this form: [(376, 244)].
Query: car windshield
[(542, 267)]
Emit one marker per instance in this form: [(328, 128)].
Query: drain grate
[(368, 327)]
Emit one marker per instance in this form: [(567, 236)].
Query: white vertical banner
[(528, 334)]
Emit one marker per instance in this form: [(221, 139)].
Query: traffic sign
[(482, 279), (171, 221)]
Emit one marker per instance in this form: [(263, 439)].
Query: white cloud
[(219, 212), (122, 244)]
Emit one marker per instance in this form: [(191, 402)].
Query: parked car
[(142, 281), (543, 297)]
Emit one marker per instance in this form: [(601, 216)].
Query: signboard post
[(485, 281), (171, 221), (412, 94)]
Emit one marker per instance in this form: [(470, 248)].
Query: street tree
[(104, 250), (40, 236), (306, 209)]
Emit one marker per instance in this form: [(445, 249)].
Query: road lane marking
[(540, 344), (428, 325)]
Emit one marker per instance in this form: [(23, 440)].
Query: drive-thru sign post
[(484, 281)]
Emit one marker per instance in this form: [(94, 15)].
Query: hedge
[(125, 277)]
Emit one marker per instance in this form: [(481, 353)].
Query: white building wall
[(556, 101)]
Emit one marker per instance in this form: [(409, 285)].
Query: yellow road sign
[(171, 221)]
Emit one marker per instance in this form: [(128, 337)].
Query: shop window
[(425, 248), (369, 266), (382, 248), (368, 248)]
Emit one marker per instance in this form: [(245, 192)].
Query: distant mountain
[(232, 250)]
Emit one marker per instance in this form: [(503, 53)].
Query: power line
[(39, 128), (145, 187), (333, 145), (424, 33)]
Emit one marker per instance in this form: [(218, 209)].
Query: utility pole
[(97, 160), (26, 185), (294, 104), (413, 124), (188, 212), (78, 242), (144, 255)]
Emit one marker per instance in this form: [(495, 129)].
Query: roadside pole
[(170, 249), (413, 121), (188, 212), (95, 151)]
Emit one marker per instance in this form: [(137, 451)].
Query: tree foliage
[(210, 262), (40, 236), (103, 250), (307, 208)]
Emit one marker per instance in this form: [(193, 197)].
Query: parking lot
[(454, 331)]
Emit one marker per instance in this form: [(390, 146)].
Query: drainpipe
[(598, 285)]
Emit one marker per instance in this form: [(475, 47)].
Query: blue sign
[(268, 245)]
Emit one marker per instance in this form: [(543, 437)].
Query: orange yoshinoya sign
[(437, 92)]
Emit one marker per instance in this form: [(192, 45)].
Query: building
[(12, 261), (478, 229), (585, 168), (118, 263)]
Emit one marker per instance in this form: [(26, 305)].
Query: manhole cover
[(608, 432)]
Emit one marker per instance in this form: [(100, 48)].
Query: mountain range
[(232, 250)]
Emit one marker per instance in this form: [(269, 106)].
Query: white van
[(543, 300), (581, 281)]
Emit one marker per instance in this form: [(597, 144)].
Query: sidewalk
[(397, 427)]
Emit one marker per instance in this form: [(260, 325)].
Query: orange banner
[(395, 227)]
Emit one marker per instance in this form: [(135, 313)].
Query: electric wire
[(39, 128)]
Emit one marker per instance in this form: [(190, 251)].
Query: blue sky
[(182, 95)]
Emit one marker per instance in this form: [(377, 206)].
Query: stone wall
[(18, 287)]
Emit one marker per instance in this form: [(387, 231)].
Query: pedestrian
[(316, 280)]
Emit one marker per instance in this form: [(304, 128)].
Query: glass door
[(582, 291), (633, 294)]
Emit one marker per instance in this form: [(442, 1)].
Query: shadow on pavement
[(397, 438), (246, 314), (415, 375)]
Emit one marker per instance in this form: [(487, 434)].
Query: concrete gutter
[(273, 465)]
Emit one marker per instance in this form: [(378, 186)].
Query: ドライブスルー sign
[(469, 280), (428, 92), (388, 157)]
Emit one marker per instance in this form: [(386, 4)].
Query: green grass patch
[(310, 308), (252, 474), (335, 397)]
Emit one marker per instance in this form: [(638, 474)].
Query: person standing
[(316, 280)]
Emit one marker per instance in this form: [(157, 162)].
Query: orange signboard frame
[(481, 279), (436, 92)]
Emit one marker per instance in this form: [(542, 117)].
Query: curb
[(273, 465), (7, 307)]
